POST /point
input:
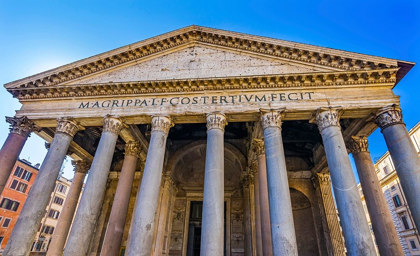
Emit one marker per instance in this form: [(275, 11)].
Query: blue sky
[(39, 35)]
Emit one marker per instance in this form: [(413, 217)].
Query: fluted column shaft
[(20, 129), (115, 229), (66, 216), (353, 219), (212, 232), (264, 204), (258, 232), (404, 155), (380, 216), (91, 201), (141, 239), (281, 214), (27, 225)]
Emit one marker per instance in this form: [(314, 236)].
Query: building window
[(393, 188), (58, 200), (397, 201), (54, 214), (6, 222), (1, 240), (405, 222), (18, 171), (61, 188), (413, 245), (9, 204), (47, 230), (386, 170), (19, 186), (27, 176)]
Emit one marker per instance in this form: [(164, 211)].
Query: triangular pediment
[(155, 58), (200, 61)]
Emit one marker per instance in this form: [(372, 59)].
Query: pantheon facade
[(209, 142)]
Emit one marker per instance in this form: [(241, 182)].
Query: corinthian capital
[(271, 118), (258, 147), (327, 117), (81, 166), (389, 116), (132, 148), (21, 125), (358, 144), (69, 126), (162, 123), (216, 121), (113, 124)]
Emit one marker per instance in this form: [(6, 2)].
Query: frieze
[(193, 35), (21, 125), (68, 126), (389, 116)]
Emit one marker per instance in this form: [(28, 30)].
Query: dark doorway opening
[(194, 228)]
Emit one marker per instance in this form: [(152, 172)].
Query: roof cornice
[(307, 80), (304, 53)]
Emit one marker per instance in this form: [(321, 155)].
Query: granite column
[(212, 232), (257, 209), (20, 129), (66, 216), (404, 156), (356, 231), (27, 225), (380, 216), (115, 229), (281, 214), (267, 245), (142, 229), (91, 201)]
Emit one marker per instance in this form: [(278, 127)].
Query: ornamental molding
[(326, 117), (162, 123), (271, 118), (389, 116), (253, 168), (68, 125), (113, 124), (192, 35), (323, 179), (132, 148), (21, 125), (81, 166), (358, 144), (318, 79), (216, 121), (258, 147)]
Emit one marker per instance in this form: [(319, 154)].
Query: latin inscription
[(199, 100)]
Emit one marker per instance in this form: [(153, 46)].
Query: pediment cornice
[(308, 80), (306, 54)]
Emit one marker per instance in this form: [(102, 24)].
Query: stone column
[(93, 194), (20, 129), (247, 215), (257, 208), (115, 229), (334, 237), (353, 219), (141, 239), (61, 231), (212, 232), (380, 216), (169, 189), (252, 208), (281, 214), (267, 245), (33, 210), (404, 155)]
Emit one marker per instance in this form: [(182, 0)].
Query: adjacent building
[(14, 196), (396, 200)]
